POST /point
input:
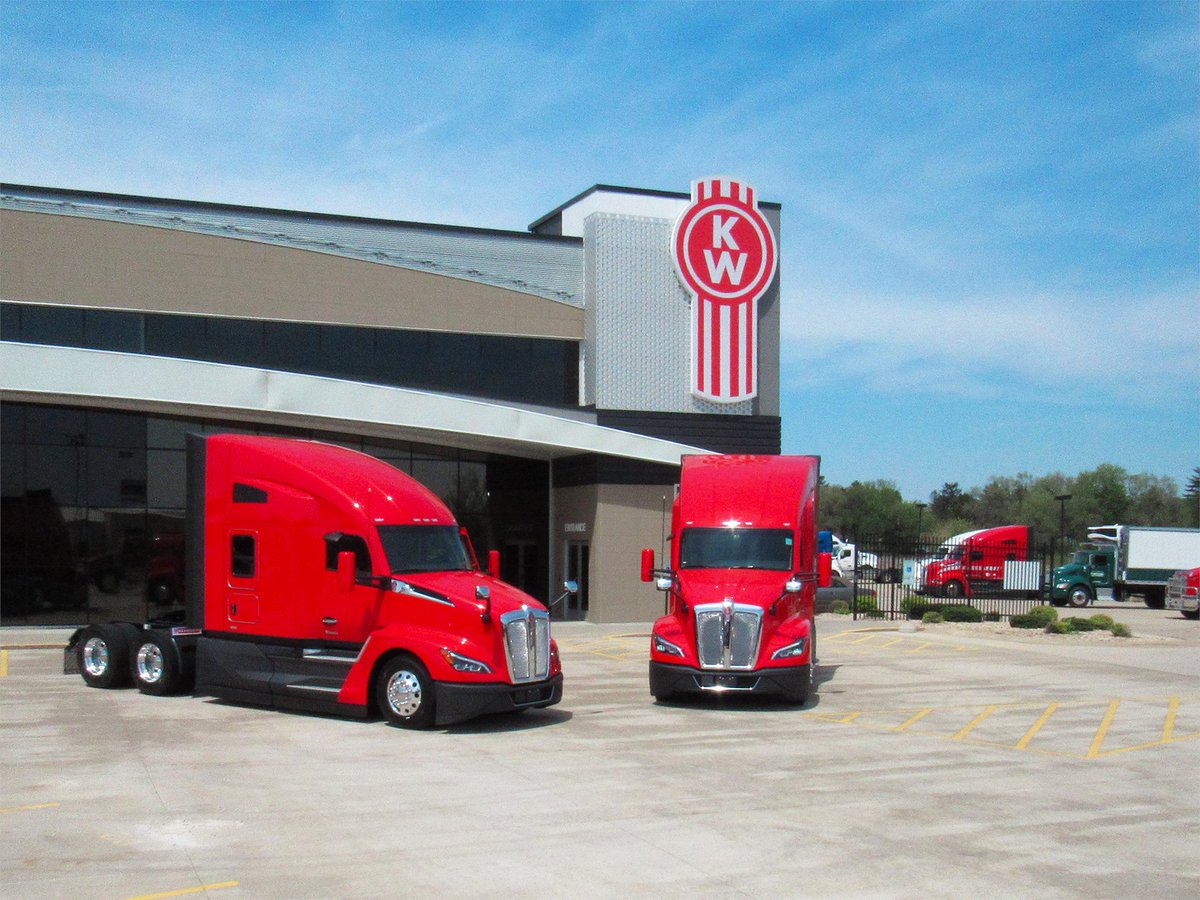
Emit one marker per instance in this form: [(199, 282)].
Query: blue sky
[(991, 212)]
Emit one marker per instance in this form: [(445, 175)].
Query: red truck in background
[(323, 579), (974, 561), (742, 579), (1183, 593)]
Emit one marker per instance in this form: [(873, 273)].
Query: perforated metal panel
[(637, 320)]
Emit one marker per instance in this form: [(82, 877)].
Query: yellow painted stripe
[(915, 719), (896, 641), (31, 806), (192, 890), (846, 720), (1169, 723), (1037, 726), (974, 722), (920, 647), (3, 663), (1102, 731)]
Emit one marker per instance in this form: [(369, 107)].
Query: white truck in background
[(846, 558)]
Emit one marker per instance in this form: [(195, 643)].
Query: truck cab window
[(340, 543), (736, 548), (424, 548), (241, 556)]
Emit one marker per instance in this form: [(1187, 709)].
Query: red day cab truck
[(974, 561), (322, 579), (742, 579)]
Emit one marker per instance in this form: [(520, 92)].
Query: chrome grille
[(727, 635), (527, 644)]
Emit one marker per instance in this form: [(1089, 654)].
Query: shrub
[(841, 607), (932, 618), (961, 612), (1025, 620), (1120, 629), (1081, 624), (1043, 614), (1060, 627), (991, 616), (867, 605), (1102, 622)]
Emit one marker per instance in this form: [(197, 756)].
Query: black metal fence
[(905, 578)]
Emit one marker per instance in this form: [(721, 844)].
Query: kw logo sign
[(725, 256)]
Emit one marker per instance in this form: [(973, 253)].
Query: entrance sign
[(725, 256)]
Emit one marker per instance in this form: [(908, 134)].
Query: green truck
[(1124, 560)]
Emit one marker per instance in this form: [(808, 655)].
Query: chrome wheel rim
[(95, 656), (149, 663), (404, 693)]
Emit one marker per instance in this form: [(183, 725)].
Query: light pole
[(920, 512), (1062, 518)]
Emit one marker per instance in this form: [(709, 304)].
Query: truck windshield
[(424, 548), (948, 551), (736, 548)]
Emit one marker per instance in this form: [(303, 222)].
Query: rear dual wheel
[(157, 667), (103, 654)]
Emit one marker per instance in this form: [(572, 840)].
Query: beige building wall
[(114, 265), (620, 520)]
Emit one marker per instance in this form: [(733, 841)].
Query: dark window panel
[(10, 322), (111, 330), (238, 342), (12, 423), (182, 337), (58, 325), (293, 347), (115, 429), (55, 425)]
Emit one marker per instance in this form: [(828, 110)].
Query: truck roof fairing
[(719, 491)]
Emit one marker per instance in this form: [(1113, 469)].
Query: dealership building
[(545, 383)]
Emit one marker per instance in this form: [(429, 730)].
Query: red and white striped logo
[(725, 256)]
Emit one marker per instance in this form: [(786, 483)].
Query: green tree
[(1099, 498), (1191, 495), (950, 502)]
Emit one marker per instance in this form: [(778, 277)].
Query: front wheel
[(404, 693), (103, 652), (954, 590), (799, 694), (1079, 596), (1191, 613), (1156, 598)]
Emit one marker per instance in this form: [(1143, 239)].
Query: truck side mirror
[(647, 564), (494, 563), (345, 571), (824, 569)]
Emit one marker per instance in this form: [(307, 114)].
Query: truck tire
[(1156, 598), (800, 694), (156, 667), (404, 693), (1079, 596), (103, 652), (954, 590), (1191, 613)]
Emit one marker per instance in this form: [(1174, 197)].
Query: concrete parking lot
[(928, 764)]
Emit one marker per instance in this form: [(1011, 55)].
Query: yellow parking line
[(3, 663), (915, 719), (1169, 723), (182, 891), (974, 722), (921, 647), (1037, 726), (1102, 731), (29, 807)]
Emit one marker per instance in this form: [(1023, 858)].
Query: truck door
[(344, 616), (241, 597), (1100, 573)]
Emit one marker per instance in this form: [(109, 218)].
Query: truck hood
[(459, 588), (760, 587), (1069, 570)]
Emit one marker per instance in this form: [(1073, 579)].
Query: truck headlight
[(791, 651), (461, 663), (662, 645)]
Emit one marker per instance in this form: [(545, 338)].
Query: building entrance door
[(575, 606)]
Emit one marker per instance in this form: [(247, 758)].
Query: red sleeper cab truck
[(742, 579), (974, 561), (323, 579)]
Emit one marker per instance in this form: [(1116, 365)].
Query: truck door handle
[(329, 621)]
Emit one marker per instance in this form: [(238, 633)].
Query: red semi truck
[(975, 561), (323, 579), (742, 579)]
